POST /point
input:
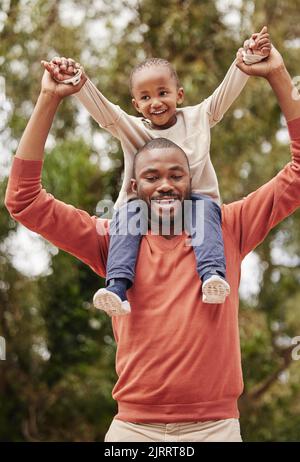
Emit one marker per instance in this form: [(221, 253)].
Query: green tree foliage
[(60, 353)]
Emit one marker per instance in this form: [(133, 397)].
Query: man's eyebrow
[(155, 170), (177, 167), (148, 170)]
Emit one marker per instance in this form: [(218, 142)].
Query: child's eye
[(145, 97), (163, 93)]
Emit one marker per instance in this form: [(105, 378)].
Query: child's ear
[(180, 95), (133, 185), (135, 105)]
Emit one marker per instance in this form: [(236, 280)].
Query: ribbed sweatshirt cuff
[(26, 168), (294, 128)]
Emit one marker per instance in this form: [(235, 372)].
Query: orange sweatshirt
[(177, 359)]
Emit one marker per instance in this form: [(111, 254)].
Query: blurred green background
[(56, 381)]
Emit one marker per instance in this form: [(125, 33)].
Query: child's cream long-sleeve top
[(191, 131)]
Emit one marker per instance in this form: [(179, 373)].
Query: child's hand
[(263, 68), (259, 43), (62, 69), (59, 90)]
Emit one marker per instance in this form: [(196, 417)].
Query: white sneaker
[(110, 303), (215, 290)]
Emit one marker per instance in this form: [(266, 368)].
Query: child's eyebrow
[(147, 91)]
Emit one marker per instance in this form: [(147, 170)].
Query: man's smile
[(166, 203)]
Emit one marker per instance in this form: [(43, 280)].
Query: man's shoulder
[(102, 229), (231, 214), (232, 209)]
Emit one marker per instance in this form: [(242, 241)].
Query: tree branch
[(260, 389)]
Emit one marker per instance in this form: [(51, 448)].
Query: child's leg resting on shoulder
[(203, 222), (125, 238)]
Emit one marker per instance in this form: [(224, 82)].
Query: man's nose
[(165, 186)]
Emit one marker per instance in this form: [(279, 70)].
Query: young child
[(156, 92)]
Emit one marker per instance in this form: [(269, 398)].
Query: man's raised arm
[(234, 81), (68, 228), (274, 70), (252, 218), (127, 129)]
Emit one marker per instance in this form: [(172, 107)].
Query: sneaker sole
[(215, 292), (110, 303)]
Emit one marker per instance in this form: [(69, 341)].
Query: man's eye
[(177, 177), (151, 178)]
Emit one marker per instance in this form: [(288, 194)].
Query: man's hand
[(264, 68), (60, 69)]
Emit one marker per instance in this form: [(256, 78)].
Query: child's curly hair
[(154, 62)]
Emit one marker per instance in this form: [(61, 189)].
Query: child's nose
[(156, 102)]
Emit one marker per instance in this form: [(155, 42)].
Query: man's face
[(156, 95), (163, 181)]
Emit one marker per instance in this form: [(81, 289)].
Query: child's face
[(156, 95)]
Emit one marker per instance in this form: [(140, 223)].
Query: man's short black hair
[(158, 143), (149, 62)]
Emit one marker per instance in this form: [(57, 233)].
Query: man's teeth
[(165, 201)]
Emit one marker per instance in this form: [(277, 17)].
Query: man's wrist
[(276, 73), (50, 96)]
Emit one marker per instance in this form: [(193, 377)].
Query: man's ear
[(133, 185), (135, 105), (180, 95)]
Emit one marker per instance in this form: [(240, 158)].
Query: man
[(178, 359)]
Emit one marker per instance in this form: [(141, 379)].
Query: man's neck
[(168, 236)]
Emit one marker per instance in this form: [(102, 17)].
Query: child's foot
[(111, 303), (215, 290), (113, 299)]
